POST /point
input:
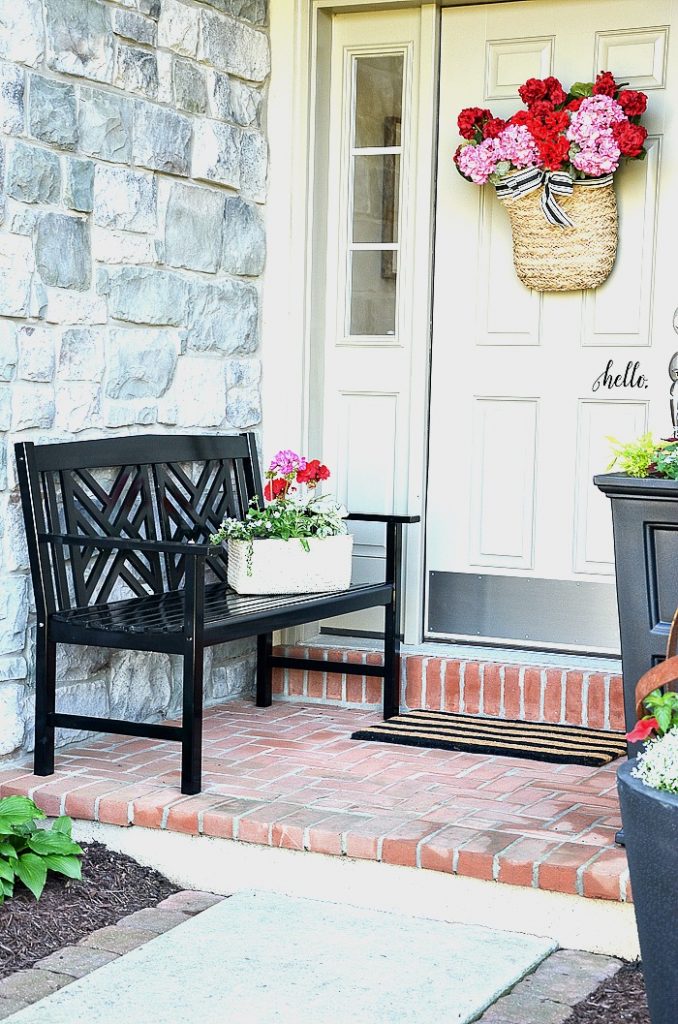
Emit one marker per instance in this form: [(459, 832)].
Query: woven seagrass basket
[(560, 259)]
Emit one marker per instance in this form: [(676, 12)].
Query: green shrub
[(28, 852)]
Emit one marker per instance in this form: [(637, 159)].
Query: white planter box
[(284, 567)]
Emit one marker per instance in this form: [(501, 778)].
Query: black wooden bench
[(118, 537)]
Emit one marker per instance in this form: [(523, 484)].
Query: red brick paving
[(290, 776)]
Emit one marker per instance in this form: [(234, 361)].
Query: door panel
[(517, 430)]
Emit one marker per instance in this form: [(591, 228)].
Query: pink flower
[(600, 156), (596, 114), (286, 462), (478, 162), (517, 145)]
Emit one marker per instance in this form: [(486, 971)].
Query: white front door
[(519, 542)]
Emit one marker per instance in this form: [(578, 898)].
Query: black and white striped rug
[(539, 741)]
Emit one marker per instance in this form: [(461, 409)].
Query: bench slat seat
[(228, 615), (118, 535)]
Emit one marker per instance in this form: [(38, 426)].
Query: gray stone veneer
[(133, 167)]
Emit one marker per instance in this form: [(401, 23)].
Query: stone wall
[(133, 165)]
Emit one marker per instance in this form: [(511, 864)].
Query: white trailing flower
[(657, 766)]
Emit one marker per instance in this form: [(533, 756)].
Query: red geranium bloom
[(521, 117), (274, 488), (314, 472), (541, 108), (471, 119), (534, 89), (548, 127), (575, 104), (632, 103), (554, 152), (605, 84), (643, 729), (554, 91), (629, 137), (492, 127)]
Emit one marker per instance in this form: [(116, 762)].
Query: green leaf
[(663, 716), (53, 842), (17, 810), (7, 849), (6, 870), (63, 824), (69, 866), (32, 871), (581, 89), (6, 887)]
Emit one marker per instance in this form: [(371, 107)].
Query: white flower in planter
[(657, 766)]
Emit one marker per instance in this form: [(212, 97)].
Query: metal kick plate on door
[(524, 609)]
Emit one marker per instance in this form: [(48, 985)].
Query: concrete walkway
[(271, 959)]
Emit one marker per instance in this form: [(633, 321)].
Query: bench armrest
[(75, 540), (378, 517)]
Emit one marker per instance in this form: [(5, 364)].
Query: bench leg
[(45, 696), (264, 670), (392, 615), (191, 744), (391, 662)]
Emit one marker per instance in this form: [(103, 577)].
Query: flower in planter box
[(294, 511)]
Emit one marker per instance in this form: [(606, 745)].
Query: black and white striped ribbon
[(556, 183)]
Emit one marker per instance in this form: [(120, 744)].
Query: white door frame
[(300, 33)]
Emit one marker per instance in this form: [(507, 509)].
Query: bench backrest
[(144, 487)]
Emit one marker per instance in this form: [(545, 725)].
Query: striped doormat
[(539, 741)]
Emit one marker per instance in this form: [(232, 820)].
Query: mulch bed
[(619, 1000), (113, 885)]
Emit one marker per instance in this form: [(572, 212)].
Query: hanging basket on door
[(552, 166)]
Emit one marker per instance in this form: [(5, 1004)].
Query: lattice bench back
[(145, 487)]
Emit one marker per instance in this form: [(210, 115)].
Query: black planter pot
[(651, 830), (645, 524)]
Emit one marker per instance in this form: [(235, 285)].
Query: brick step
[(534, 693)]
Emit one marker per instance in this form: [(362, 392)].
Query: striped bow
[(556, 183)]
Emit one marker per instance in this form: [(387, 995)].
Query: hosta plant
[(28, 852)]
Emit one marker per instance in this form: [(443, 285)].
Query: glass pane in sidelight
[(373, 292), (378, 100), (376, 187)]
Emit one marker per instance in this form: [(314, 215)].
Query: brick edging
[(535, 693), (101, 947)]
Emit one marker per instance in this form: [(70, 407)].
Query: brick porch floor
[(289, 776)]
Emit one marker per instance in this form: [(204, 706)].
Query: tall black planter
[(651, 831), (645, 524)]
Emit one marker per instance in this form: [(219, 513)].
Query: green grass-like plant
[(28, 852), (636, 458)]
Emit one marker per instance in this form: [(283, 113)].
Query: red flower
[(541, 108), (643, 729), (314, 472), (629, 137), (605, 84), (471, 120), (492, 127), (575, 104), (534, 89), (554, 152), (274, 488), (548, 127), (554, 91), (632, 103), (521, 117)]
